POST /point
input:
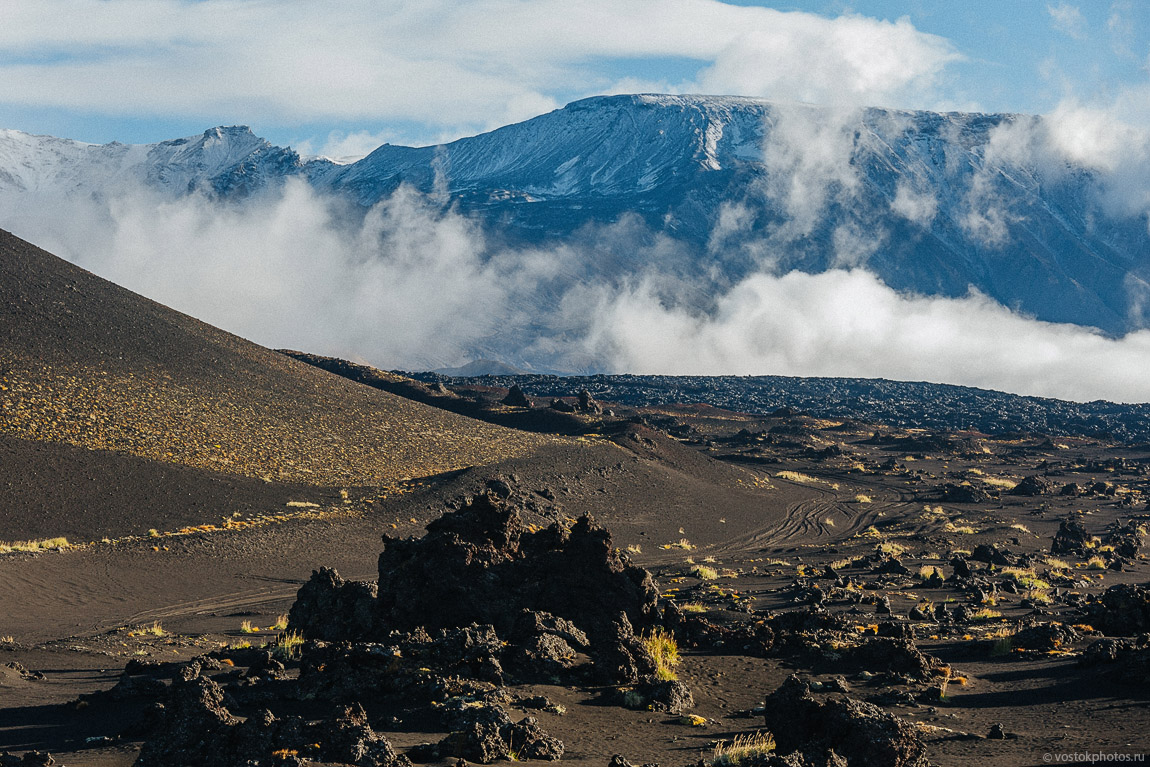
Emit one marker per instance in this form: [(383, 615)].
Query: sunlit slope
[(85, 362)]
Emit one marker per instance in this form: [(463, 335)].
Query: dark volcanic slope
[(903, 404), (51, 489), (85, 362)]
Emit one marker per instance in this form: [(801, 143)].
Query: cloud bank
[(460, 65), (414, 285)]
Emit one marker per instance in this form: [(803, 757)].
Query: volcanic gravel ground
[(766, 513)]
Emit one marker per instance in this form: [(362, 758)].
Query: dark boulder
[(893, 656), (991, 555), (964, 493), (197, 730), (1127, 540), (587, 403), (329, 608), (195, 726), (890, 566), (1032, 486), (516, 398), (859, 732), (669, 695), (1122, 610), (1071, 538), (30, 759), (491, 735), (1044, 637)]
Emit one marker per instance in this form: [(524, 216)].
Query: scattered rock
[(672, 696)]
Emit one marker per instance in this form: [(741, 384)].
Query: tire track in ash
[(807, 520), (230, 601)]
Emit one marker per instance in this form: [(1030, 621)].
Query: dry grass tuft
[(743, 747), (795, 476), (665, 650), (1001, 482), (705, 573), (287, 646), (46, 544), (890, 549), (926, 572)]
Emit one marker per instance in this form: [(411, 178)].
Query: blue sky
[(342, 77)]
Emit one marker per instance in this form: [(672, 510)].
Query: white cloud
[(412, 285), (458, 64), (349, 147), (849, 61), (847, 323), (1068, 19), (807, 155), (1110, 140), (913, 205)]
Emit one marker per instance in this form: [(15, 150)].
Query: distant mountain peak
[(678, 163)]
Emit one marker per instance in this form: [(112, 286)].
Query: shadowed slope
[(85, 362)]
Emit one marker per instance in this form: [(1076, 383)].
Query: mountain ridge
[(742, 185)]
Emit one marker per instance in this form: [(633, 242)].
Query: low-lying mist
[(414, 285)]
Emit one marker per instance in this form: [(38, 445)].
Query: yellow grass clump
[(46, 544), (705, 573), (742, 748), (1000, 482), (665, 650), (288, 645)]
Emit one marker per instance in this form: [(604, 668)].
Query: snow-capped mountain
[(229, 160), (924, 200)]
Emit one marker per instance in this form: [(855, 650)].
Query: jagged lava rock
[(480, 565)]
